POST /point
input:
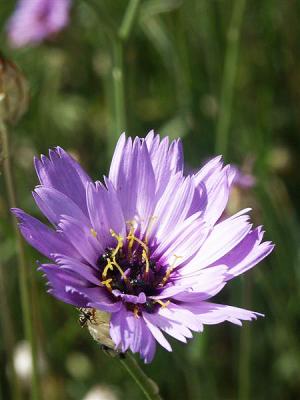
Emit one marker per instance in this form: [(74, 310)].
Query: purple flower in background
[(146, 246), (35, 20), (241, 179)]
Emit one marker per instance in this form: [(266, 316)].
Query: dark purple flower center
[(129, 269)]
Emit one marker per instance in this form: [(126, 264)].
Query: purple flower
[(35, 20), (146, 245), (242, 180)]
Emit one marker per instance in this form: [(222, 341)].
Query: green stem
[(8, 337), (245, 347), (119, 95), (229, 75), (148, 387), (128, 19), (118, 71), (23, 273)]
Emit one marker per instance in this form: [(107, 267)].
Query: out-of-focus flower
[(13, 91), (146, 246), (35, 20), (100, 392), (241, 179), (23, 361)]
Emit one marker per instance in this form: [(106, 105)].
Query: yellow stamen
[(136, 312), (93, 232), (133, 239), (170, 269), (145, 258), (163, 304), (107, 284), (119, 244), (108, 266), (130, 237), (114, 262)]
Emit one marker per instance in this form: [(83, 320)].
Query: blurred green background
[(223, 75)]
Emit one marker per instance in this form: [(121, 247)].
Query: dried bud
[(97, 323), (13, 92)]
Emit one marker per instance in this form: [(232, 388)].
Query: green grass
[(177, 81)]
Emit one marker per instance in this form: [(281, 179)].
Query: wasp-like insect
[(86, 315)]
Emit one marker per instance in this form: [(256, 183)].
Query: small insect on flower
[(85, 315), (143, 253)]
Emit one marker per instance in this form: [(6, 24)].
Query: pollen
[(93, 232), (136, 312), (119, 240), (107, 284), (170, 269), (163, 304), (111, 261)]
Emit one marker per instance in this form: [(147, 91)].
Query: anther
[(93, 232), (162, 304), (136, 312), (170, 269), (108, 266), (107, 284), (145, 258), (119, 239)]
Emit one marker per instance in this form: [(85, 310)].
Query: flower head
[(146, 246), (35, 20)]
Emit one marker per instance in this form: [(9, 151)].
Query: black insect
[(150, 306), (84, 316)]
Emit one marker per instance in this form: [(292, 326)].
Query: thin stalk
[(8, 337), (23, 273), (245, 348), (119, 42), (229, 75), (148, 387), (128, 20), (119, 95)]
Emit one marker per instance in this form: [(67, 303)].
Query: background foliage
[(173, 75)]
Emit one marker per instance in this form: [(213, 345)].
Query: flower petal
[(42, 238), (82, 238), (54, 204), (248, 253), (223, 238), (105, 212), (132, 175), (156, 332), (173, 207), (166, 159), (61, 172), (211, 313)]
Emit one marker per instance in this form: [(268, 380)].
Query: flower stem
[(148, 387), (245, 348), (229, 75), (119, 41), (23, 273), (119, 95), (128, 19), (8, 337)]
